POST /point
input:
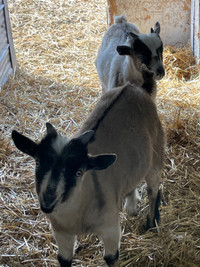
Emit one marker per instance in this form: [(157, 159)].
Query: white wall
[(173, 15)]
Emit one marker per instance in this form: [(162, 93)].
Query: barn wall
[(7, 54), (173, 15)]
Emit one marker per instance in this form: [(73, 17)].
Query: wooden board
[(8, 61), (173, 15)]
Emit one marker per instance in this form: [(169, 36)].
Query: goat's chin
[(158, 77)]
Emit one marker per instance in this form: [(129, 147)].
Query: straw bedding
[(56, 44)]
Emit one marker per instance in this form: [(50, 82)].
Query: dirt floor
[(56, 43)]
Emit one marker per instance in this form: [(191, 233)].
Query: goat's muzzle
[(160, 73), (47, 210)]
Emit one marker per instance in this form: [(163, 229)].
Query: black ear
[(50, 129), (86, 137), (156, 28), (124, 50), (24, 144), (101, 162)]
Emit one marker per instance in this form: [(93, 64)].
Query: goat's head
[(60, 164), (146, 49)]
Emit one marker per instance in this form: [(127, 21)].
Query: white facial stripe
[(60, 188), (59, 143), (44, 184)]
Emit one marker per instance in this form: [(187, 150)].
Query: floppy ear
[(124, 50), (101, 162), (24, 144), (156, 28)]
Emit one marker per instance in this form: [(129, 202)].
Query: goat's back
[(109, 63), (126, 123), (116, 33)]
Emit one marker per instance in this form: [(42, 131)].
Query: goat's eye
[(37, 164), (141, 57), (79, 173)]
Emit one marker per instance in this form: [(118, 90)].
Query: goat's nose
[(160, 71)]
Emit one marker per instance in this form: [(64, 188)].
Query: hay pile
[(56, 44), (184, 67)]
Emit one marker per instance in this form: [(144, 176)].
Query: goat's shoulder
[(104, 104), (135, 93), (137, 96)]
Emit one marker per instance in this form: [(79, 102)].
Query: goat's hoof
[(151, 226), (112, 260), (63, 262)]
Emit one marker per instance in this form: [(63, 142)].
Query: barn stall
[(56, 43)]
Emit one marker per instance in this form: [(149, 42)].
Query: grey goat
[(122, 52), (81, 193)]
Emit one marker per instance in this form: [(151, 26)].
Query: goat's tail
[(120, 19)]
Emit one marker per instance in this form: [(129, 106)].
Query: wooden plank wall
[(8, 61)]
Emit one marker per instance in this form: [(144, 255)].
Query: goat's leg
[(65, 248), (153, 182), (131, 203), (111, 238)]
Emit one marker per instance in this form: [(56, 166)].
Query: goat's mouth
[(47, 210), (159, 76), (160, 73)]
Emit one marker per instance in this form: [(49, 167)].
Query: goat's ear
[(86, 137), (124, 50), (50, 129), (132, 35), (24, 144), (101, 162), (156, 28)]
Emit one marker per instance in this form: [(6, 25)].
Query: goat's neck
[(131, 74), (150, 87)]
